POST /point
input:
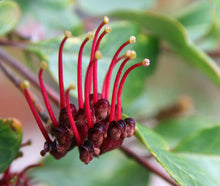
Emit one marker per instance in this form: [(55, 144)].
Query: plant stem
[(147, 165), (214, 54), (17, 82), (13, 43), (24, 71)]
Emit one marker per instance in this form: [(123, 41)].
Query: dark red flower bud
[(86, 152), (130, 128), (91, 102), (117, 130), (97, 134), (102, 109)]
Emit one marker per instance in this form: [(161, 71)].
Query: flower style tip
[(106, 20), (132, 39), (44, 65), (72, 86), (107, 29), (98, 55), (68, 34), (127, 53), (146, 62), (25, 84), (95, 126), (132, 54), (90, 35)]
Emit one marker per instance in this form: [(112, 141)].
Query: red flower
[(96, 126), (10, 178)]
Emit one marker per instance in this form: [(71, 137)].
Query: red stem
[(143, 162), (27, 143), (86, 94), (6, 173), (145, 62), (79, 81), (104, 82), (36, 116), (121, 87), (30, 167), (60, 72), (114, 93), (46, 99), (109, 73), (22, 174), (93, 51), (95, 82), (71, 119)]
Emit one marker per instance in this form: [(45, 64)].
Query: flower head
[(95, 126)]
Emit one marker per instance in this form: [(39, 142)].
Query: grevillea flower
[(10, 178), (95, 126), (18, 178)]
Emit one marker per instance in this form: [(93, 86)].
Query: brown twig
[(17, 82), (214, 53), (13, 43), (24, 71), (147, 165)]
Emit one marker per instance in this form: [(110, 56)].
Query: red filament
[(46, 99), (143, 63), (36, 116), (114, 93), (60, 70), (109, 73), (79, 80), (71, 119)]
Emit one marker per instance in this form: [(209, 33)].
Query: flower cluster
[(95, 126), (10, 178)]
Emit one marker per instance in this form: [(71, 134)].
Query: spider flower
[(95, 126)]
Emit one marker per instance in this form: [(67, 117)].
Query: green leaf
[(104, 7), (201, 20), (176, 37), (205, 141), (10, 141), (196, 14), (109, 169), (48, 17), (146, 47), (197, 19), (185, 168), (176, 129), (9, 16)]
